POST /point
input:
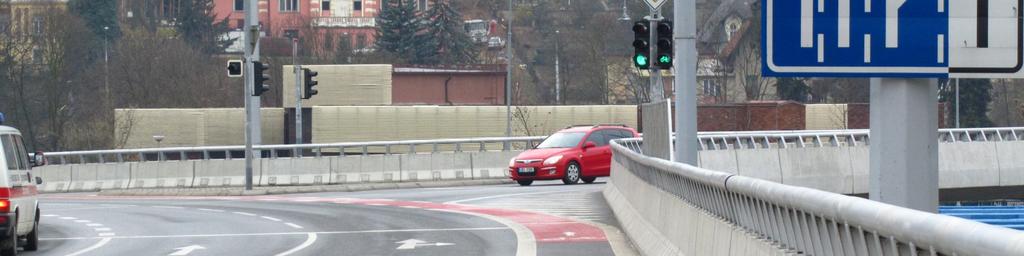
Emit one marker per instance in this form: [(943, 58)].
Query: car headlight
[(512, 162), (552, 160)]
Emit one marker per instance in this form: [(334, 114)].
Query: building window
[(357, 5), (422, 5), (711, 88), (239, 5), (5, 23), (325, 5), (289, 5), (37, 55), (361, 41), (37, 25)]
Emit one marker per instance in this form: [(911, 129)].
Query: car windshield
[(562, 140)]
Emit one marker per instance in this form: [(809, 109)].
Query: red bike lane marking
[(546, 228)]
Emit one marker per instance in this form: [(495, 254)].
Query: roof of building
[(450, 69), (713, 31)]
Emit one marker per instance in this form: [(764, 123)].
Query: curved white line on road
[(102, 242), (526, 243), (310, 239)]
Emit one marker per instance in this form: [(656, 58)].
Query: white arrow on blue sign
[(893, 38)]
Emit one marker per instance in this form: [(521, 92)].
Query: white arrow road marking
[(99, 244), (413, 243), (181, 251)]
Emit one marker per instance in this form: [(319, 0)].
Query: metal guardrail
[(813, 222), (293, 150), (779, 139)]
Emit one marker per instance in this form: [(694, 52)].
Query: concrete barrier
[(759, 163), (95, 177), (825, 168), (964, 165), (721, 160), (56, 178), (491, 164), (1011, 163), (223, 173), (168, 174), (660, 223), (296, 171), (379, 168), (860, 166)]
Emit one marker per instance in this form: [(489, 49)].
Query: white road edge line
[(310, 239), (210, 210), (244, 213), (270, 218), (293, 225), (101, 243), (526, 243)]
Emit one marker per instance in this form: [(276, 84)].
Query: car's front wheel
[(525, 182), (572, 173)]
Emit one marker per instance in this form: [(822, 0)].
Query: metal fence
[(813, 222), (296, 150), (833, 138)]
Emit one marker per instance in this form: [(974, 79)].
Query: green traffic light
[(641, 60), (665, 59)]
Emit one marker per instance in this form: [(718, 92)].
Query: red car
[(573, 154)]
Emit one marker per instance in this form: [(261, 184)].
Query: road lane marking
[(210, 210), (293, 225), (310, 239), (102, 229), (50, 215), (270, 218), (182, 251), (99, 244), (286, 233), (244, 213), (68, 218), (410, 207), (105, 234), (526, 242), (94, 224), (168, 207), (82, 221)]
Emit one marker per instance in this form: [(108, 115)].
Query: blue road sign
[(892, 38)]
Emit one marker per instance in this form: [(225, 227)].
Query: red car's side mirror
[(589, 144)]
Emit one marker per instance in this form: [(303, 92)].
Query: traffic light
[(260, 78), (641, 44), (309, 83), (234, 68), (664, 55)]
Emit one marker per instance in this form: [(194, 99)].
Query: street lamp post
[(558, 78), (508, 77), (106, 69)]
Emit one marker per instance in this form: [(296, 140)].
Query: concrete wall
[(277, 172), (845, 169), (193, 127), (660, 223), (342, 85), (369, 123)]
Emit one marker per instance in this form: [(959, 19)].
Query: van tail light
[(5, 205), (5, 201)]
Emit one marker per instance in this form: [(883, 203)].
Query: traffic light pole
[(685, 81), (657, 85), (252, 103), (298, 91)]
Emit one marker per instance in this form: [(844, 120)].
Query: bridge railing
[(834, 138), (293, 150), (815, 222)]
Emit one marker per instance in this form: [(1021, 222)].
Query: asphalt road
[(545, 219)]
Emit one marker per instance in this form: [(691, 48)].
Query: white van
[(19, 205)]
